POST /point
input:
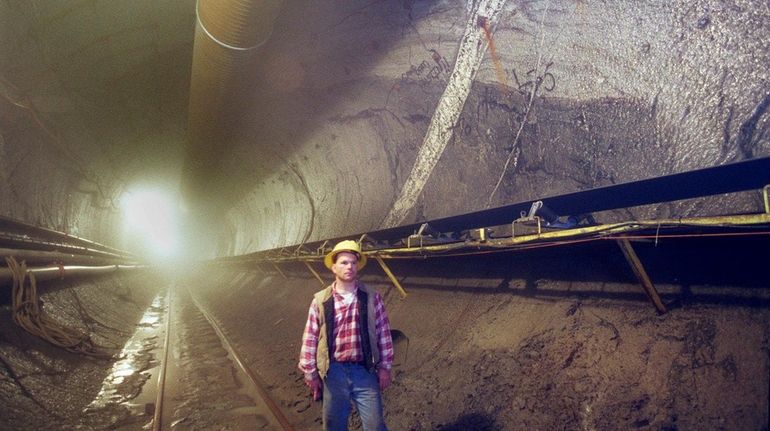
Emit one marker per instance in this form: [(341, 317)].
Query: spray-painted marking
[(448, 111)]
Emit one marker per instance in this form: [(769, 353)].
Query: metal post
[(641, 274)]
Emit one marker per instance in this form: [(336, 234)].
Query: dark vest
[(367, 327), (363, 327)]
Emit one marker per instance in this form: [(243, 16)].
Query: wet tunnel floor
[(203, 390), (206, 390)]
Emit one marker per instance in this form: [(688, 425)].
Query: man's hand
[(383, 375), (316, 387)]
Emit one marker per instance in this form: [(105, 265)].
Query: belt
[(362, 363)]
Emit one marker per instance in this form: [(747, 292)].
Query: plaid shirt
[(347, 341)]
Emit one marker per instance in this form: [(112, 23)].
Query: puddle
[(128, 393)]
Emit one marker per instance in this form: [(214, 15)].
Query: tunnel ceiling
[(107, 79), (355, 116)]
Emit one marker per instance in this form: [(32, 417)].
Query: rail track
[(203, 382)]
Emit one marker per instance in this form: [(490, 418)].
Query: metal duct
[(227, 36)]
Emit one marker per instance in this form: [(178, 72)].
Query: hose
[(30, 316)]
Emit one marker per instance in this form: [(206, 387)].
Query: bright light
[(151, 219)]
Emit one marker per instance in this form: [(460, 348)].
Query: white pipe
[(54, 272), (449, 108)]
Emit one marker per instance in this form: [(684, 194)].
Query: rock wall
[(566, 96), (87, 111)]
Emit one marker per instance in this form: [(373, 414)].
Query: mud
[(45, 387), (565, 353), (205, 391)]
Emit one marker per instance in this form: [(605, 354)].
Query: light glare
[(150, 218)]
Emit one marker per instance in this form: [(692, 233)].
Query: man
[(347, 350)]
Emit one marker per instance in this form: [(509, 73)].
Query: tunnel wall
[(88, 109), (619, 92), (38, 190), (46, 177), (338, 104)]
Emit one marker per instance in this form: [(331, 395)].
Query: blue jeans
[(346, 382)]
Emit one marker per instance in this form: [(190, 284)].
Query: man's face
[(346, 266)]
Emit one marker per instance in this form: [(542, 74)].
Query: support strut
[(641, 274), (391, 276), (315, 273)]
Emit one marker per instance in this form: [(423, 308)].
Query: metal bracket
[(536, 219), (298, 249), (424, 231), (530, 216), (416, 235), (481, 233), (322, 248), (533, 209), (765, 192), (390, 275)]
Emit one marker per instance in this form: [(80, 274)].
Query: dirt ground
[(497, 352)]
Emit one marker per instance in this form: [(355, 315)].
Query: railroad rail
[(264, 403)]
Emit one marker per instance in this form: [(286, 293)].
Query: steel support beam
[(730, 178), (44, 257)]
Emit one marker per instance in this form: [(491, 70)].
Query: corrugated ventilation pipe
[(227, 36)]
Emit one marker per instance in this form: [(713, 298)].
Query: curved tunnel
[(334, 119)]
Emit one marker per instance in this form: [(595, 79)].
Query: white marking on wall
[(450, 105)]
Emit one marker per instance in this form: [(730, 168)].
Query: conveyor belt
[(730, 178)]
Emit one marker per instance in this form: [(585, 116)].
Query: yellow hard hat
[(349, 246)]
